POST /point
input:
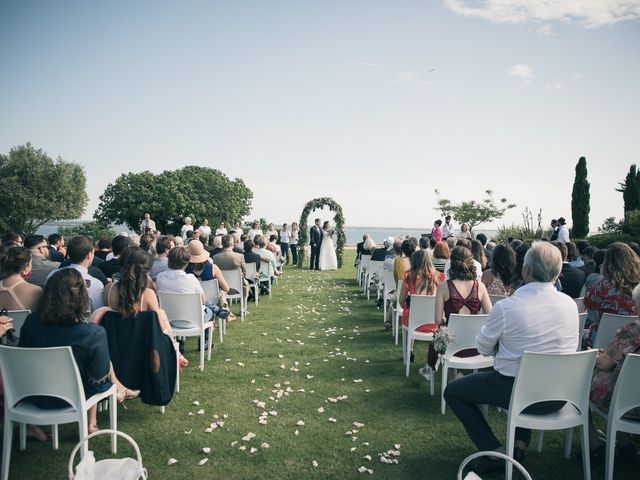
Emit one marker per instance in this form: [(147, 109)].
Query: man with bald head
[(536, 318)]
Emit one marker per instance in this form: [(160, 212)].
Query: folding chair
[(422, 312), (50, 372), (580, 304), (388, 287), (212, 291), (608, 326), (235, 280), (397, 312), (363, 267), (267, 270), (251, 271), (375, 266)]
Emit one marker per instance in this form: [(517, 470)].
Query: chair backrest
[(50, 372), (375, 266), (465, 329), (580, 304), (251, 270), (266, 268), (233, 279), (608, 326), (422, 310), (364, 261), (183, 310), (18, 318), (211, 290), (626, 394), (389, 281), (582, 319), (570, 381), (398, 289), (496, 298)]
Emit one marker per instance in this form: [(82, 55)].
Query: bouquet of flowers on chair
[(442, 337)]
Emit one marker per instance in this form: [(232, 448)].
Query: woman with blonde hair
[(187, 227), (464, 233)]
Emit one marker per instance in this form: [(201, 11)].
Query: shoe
[(484, 465), (425, 372), (223, 314), (127, 394)]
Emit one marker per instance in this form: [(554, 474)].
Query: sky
[(373, 103)]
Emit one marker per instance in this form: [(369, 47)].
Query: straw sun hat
[(198, 253)]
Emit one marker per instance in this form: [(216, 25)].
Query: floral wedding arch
[(338, 219)]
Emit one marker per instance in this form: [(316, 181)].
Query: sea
[(354, 234)]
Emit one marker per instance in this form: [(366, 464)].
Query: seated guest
[(499, 278), (521, 249), (465, 244), (104, 248), (251, 257), (440, 257), (205, 240), (608, 365), (272, 244), (93, 269), (420, 279), (12, 239), (41, 266), (588, 264), (238, 241), (201, 266), (392, 254), (491, 245), (592, 278), (482, 238), (15, 292), (230, 260), (611, 293), (572, 255), (520, 323), (264, 253), (581, 245), (60, 320), (145, 242), (80, 251), (571, 278), (217, 246), (179, 241), (461, 293), (402, 261), (56, 245), (360, 250), (425, 245), (635, 247), (118, 245), (161, 263), (379, 254), (477, 250)]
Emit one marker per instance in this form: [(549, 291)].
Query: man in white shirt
[(205, 229), (563, 231), (147, 225), (448, 229), (467, 244), (536, 318)]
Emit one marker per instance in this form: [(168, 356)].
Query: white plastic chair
[(608, 326), (580, 304), (121, 468), (397, 312), (421, 312), (266, 269), (375, 266), (389, 286), (50, 372), (571, 381), (582, 319), (363, 268), (234, 280), (18, 318), (626, 397), (184, 311), (251, 271), (212, 291), (496, 298), (465, 329)]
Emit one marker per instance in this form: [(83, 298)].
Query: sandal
[(127, 394), (93, 428)]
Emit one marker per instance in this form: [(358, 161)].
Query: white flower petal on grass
[(265, 445), (234, 443), (321, 410), (242, 447), (280, 356), (357, 380), (190, 414), (200, 412), (196, 403), (332, 400), (358, 424), (315, 464), (367, 390), (273, 413), (300, 423), (206, 449), (397, 446), (283, 366), (203, 461), (208, 430), (188, 432), (353, 449), (309, 377), (332, 420), (172, 461), (240, 364), (364, 469), (225, 415), (367, 457), (296, 432), (253, 450), (262, 421)]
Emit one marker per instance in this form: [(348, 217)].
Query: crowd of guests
[(540, 285)]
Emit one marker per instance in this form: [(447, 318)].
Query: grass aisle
[(316, 339)]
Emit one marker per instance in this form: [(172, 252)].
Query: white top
[(221, 231), (183, 231), (147, 224), (463, 235), (205, 230), (563, 234), (294, 237), (271, 232), (448, 230), (536, 318), (447, 266), (252, 233), (285, 237), (178, 281)]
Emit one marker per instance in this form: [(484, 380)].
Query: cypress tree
[(630, 189), (580, 199)]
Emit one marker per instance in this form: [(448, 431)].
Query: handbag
[(9, 339)]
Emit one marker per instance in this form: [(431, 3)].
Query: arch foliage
[(338, 219)]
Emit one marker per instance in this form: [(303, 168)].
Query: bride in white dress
[(328, 259)]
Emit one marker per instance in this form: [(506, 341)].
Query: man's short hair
[(79, 247), (33, 241), (589, 252), (424, 243), (178, 258), (54, 238), (482, 238), (448, 217), (163, 243), (564, 251), (119, 243), (544, 261), (248, 245), (317, 220), (204, 238), (104, 243), (227, 241), (582, 245), (438, 222), (189, 233)]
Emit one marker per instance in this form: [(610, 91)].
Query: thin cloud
[(589, 13), (522, 71), (545, 30)]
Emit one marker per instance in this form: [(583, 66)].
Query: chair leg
[(568, 443), (540, 439), (6, 447), (54, 437), (162, 410), (202, 351), (83, 428), (612, 430), (23, 436), (445, 374), (432, 382), (586, 461), (113, 422), (210, 342), (404, 346), (220, 321), (407, 356), (511, 439)]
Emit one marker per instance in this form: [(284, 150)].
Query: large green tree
[(36, 189), (474, 213), (580, 201), (630, 189), (198, 192)]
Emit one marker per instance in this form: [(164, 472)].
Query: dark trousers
[(487, 388), (284, 248), (314, 261), (294, 254)]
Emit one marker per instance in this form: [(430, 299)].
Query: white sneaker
[(426, 372)]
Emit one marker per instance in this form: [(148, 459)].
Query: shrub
[(603, 240), (96, 230)]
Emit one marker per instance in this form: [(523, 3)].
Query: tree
[(197, 192), (474, 213), (580, 201), (630, 189), (36, 189)]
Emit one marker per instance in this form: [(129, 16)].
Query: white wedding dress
[(328, 259)]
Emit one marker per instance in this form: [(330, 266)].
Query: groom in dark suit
[(315, 239)]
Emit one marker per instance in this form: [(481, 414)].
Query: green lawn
[(321, 321)]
